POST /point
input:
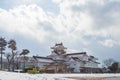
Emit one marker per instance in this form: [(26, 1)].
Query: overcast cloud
[(82, 25)]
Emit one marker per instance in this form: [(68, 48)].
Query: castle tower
[(59, 48)]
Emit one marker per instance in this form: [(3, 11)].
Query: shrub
[(42, 70), (33, 71), (27, 68)]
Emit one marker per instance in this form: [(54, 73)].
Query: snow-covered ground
[(25, 76)]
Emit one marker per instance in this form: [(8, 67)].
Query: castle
[(61, 61)]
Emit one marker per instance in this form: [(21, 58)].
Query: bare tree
[(9, 57), (108, 62)]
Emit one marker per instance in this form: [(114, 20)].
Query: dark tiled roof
[(59, 60), (93, 57), (76, 53), (75, 58)]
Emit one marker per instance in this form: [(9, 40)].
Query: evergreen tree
[(25, 52), (3, 43), (12, 46)]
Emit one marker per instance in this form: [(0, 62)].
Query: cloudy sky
[(82, 25)]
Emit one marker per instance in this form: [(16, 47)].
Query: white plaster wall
[(75, 65), (91, 64), (85, 58), (41, 64)]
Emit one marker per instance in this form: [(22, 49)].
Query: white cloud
[(75, 20), (109, 43), (17, 2), (23, 20), (57, 1), (80, 24), (88, 51)]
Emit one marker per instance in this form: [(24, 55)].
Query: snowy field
[(25, 76)]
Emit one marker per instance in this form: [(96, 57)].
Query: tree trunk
[(24, 62), (1, 58), (8, 67), (9, 62), (12, 60)]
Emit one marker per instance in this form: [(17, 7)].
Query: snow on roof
[(43, 59), (47, 59)]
